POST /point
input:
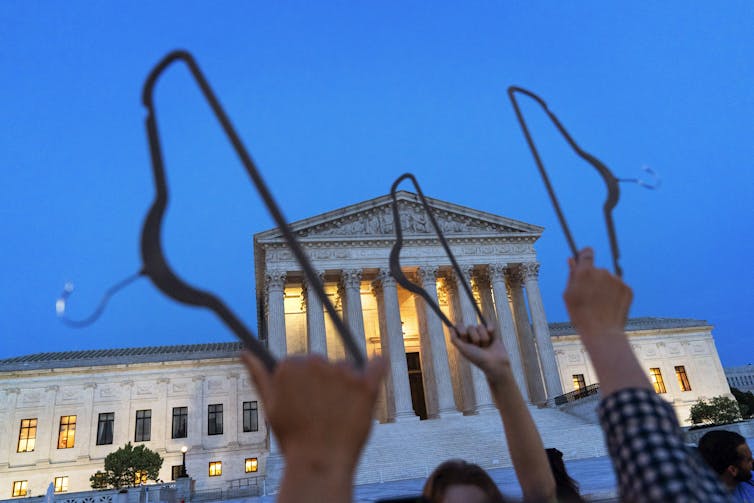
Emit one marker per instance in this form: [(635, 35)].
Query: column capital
[(53, 388), (497, 272), (350, 278), (274, 280), (514, 275), (13, 391), (383, 279), (427, 273), (90, 385), (530, 270), (163, 380)]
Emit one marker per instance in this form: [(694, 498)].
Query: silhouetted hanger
[(395, 254), (156, 267), (611, 182)]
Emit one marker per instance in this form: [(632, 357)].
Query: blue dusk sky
[(334, 100)]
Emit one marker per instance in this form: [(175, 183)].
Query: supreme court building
[(62, 413)]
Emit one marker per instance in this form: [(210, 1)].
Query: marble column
[(505, 325), (388, 309), (541, 330), (433, 344), (483, 397), (525, 337), (350, 283), (161, 429), (275, 290), (316, 335), (460, 368)]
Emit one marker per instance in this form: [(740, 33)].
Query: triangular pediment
[(374, 219)]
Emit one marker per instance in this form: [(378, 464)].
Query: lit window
[(27, 437), (61, 484), (578, 382), (656, 377), (180, 422), (67, 433), (215, 468), (105, 428), (143, 425), (250, 416), (215, 419), (251, 465), (19, 488), (683, 379)]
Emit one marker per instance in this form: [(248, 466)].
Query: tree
[(745, 401), (127, 467), (718, 410)]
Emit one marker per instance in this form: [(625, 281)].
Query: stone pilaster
[(541, 330), (434, 350), (388, 308), (196, 412), (525, 337), (483, 397), (350, 282), (505, 326), (275, 291), (316, 336), (9, 426), (234, 410), (89, 420), (47, 448)]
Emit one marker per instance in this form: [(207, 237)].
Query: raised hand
[(321, 414)]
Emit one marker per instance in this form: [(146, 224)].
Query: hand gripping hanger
[(611, 182), (155, 266), (395, 255)]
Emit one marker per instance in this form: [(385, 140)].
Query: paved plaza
[(594, 475)]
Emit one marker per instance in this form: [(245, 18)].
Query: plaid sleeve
[(650, 458)]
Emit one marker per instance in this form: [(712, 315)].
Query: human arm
[(598, 303), (642, 433), (321, 414), (484, 349)]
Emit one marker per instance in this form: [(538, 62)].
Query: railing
[(238, 488), (578, 394)]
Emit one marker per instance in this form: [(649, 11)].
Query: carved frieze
[(414, 221)]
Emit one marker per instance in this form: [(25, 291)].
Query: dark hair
[(719, 448), (459, 472), (567, 489)]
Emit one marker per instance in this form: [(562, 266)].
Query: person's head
[(727, 453), (567, 489), (458, 481)]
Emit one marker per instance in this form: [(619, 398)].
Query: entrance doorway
[(416, 382)]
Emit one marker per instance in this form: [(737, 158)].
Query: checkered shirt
[(646, 445)]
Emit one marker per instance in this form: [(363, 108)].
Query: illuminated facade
[(61, 414)]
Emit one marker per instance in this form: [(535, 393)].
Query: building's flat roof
[(153, 354), (635, 324), (99, 357)]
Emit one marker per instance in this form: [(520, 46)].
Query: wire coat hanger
[(611, 182), (155, 265), (395, 252)]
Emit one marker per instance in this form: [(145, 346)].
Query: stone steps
[(412, 449)]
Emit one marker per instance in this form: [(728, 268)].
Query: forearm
[(524, 443), (614, 361), (315, 482)]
